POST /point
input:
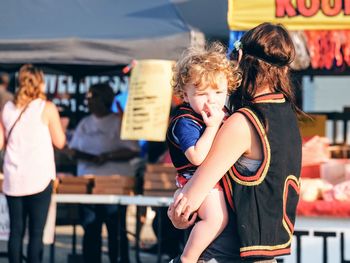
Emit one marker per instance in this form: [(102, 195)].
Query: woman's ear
[(240, 55)]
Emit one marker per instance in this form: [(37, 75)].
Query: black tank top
[(279, 171)]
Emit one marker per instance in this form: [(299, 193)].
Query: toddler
[(202, 79)]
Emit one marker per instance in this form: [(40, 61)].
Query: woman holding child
[(256, 156)]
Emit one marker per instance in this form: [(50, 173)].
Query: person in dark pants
[(92, 219), (34, 207), (29, 126), (97, 146), (172, 239)]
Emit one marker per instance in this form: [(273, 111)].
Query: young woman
[(29, 126), (256, 155)]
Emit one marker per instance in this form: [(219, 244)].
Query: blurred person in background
[(97, 146), (172, 239), (5, 95), (29, 126)]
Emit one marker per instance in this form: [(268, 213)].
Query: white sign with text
[(320, 239)]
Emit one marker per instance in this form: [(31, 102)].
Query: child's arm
[(213, 119)]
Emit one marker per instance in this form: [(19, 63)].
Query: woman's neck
[(263, 90)]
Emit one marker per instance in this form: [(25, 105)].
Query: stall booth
[(321, 33), (80, 43), (71, 40)]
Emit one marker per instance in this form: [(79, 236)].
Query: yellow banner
[(293, 14), (146, 116)]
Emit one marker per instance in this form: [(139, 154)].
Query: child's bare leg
[(213, 214)]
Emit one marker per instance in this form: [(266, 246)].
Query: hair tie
[(261, 56), (238, 45)]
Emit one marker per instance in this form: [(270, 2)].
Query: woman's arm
[(52, 118), (232, 141)]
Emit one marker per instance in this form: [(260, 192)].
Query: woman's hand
[(179, 213)]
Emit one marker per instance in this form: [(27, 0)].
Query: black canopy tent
[(84, 37)]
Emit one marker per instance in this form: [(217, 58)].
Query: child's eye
[(219, 92)]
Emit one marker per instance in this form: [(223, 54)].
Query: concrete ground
[(63, 244)]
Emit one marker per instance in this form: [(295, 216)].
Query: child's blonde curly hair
[(201, 67)]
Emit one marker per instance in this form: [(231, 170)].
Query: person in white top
[(29, 126), (97, 145)]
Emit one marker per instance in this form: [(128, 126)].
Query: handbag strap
[(13, 126)]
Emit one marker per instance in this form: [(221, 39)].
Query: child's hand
[(212, 116)]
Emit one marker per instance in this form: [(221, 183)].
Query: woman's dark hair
[(268, 51)]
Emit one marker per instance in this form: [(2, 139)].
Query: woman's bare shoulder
[(237, 122), (49, 105), (50, 108), (50, 112)]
